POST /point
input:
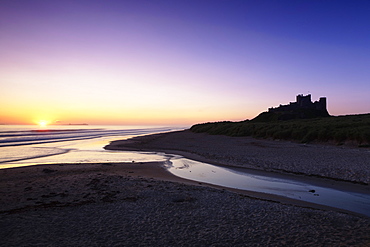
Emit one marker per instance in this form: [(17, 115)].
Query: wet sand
[(314, 160), (141, 204)]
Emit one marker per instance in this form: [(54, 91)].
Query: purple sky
[(179, 62)]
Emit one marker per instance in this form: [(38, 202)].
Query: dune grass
[(337, 129)]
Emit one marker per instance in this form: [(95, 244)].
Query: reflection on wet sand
[(351, 200)]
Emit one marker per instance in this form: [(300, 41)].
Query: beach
[(320, 160), (142, 204)]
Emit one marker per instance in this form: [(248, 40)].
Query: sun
[(42, 123)]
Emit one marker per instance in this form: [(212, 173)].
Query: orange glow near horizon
[(111, 116), (106, 114), (129, 63), (43, 123), (181, 108)]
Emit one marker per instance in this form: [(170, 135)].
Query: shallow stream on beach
[(276, 184), (89, 149)]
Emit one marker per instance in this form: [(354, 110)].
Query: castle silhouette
[(303, 102), (303, 108)]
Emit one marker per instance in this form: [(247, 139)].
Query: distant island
[(304, 121)]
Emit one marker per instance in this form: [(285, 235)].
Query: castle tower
[(322, 103), (304, 101)]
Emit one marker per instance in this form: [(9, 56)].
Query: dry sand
[(141, 204)]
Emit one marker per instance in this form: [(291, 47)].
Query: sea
[(25, 145)]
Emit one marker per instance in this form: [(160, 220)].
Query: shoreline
[(141, 203), (144, 143), (343, 164)]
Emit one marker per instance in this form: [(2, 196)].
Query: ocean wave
[(27, 137)]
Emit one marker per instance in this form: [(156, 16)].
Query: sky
[(179, 62)]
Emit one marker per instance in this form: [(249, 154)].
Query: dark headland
[(303, 121)]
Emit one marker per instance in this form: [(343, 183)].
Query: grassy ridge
[(341, 129)]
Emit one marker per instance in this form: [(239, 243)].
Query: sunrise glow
[(178, 62), (42, 123)]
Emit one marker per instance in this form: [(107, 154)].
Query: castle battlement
[(302, 102)]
